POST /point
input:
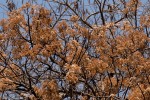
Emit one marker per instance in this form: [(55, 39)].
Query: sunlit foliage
[(75, 50)]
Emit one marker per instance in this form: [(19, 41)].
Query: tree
[(75, 50)]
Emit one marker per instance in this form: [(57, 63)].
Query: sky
[(18, 3)]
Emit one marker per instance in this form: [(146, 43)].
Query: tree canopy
[(75, 50)]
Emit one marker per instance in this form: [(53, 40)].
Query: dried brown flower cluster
[(99, 52)]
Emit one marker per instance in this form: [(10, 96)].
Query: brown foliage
[(75, 50)]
